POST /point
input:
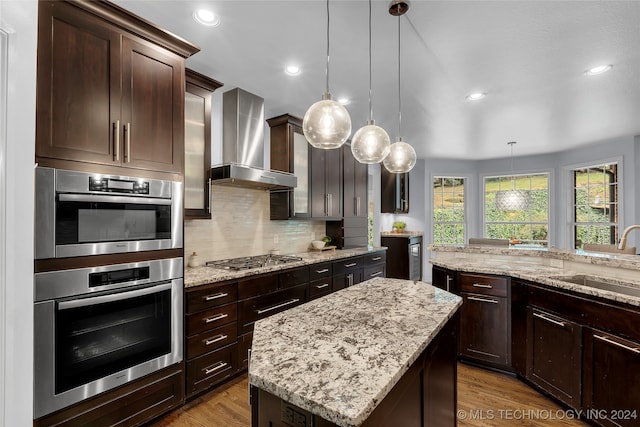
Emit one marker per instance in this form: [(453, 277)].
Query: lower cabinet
[(554, 353), (444, 278), (611, 378)]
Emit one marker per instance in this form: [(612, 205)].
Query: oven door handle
[(99, 198), (84, 302)]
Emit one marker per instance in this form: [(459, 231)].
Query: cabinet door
[(612, 378), (319, 197), (394, 192), (78, 94), (554, 348), (355, 175), (444, 278), (300, 194), (152, 107), (484, 328)]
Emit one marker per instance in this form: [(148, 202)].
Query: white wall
[(19, 19)]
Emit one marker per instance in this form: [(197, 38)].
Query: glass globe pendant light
[(327, 123), (402, 156), (512, 200), (370, 144)]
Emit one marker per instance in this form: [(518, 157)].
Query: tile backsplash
[(240, 226)]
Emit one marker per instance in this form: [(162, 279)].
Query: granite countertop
[(340, 355), (403, 234), (203, 275)]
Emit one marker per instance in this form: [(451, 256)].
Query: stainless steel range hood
[(243, 145)]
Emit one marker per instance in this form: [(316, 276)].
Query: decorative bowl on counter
[(317, 244)]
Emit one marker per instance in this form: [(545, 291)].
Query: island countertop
[(340, 355)]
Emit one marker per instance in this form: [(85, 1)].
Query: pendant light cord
[(399, 98), (327, 70), (513, 177), (370, 103)]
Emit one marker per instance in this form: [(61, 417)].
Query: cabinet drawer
[(211, 368), (258, 308), (376, 258), (483, 284), (347, 265), (374, 271), (293, 277), (321, 287), (255, 286), (210, 319), (319, 271), (211, 296), (211, 340)]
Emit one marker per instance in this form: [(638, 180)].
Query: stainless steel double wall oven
[(101, 325)]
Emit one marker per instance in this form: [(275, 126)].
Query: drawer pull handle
[(214, 318), (211, 369), (492, 301), (216, 339), (216, 296), (275, 307), (324, 285), (605, 339), (482, 285), (324, 270), (377, 273), (378, 258), (543, 317), (353, 264)]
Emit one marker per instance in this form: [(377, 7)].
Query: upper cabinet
[(110, 88), (197, 144), (355, 176), (394, 191), (326, 183)]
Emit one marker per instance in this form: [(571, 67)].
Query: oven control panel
[(111, 185)]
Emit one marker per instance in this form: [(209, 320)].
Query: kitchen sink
[(605, 285)]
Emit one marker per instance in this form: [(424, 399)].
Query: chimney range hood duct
[(243, 145)]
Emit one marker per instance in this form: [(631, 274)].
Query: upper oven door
[(81, 214)]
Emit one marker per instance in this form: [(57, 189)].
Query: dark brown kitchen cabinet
[(326, 183), (394, 192), (485, 319), (110, 88), (611, 378), (355, 176), (197, 144), (347, 272), (444, 278), (554, 355), (404, 256)]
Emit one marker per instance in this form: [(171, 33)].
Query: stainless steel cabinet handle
[(127, 129), (116, 141), (378, 258), (99, 198), (85, 302), (610, 341), (324, 270), (215, 296), (357, 206), (275, 307), (353, 264), (324, 285), (377, 273), (449, 279), (214, 318), (330, 210), (215, 339), (482, 285), (492, 301), (213, 368), (543, 317), (349, 280)]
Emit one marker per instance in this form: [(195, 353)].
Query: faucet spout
[(625, 233)]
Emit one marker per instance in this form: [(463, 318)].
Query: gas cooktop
[(257, 261)]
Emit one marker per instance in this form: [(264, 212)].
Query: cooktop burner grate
[(258, 261)]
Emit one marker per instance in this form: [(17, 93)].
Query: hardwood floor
[(485, 399)]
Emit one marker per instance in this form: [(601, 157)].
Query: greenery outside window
[(527, 226), (449, 210), (595, 204)]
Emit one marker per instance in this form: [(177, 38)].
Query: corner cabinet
[(197, 144), (394, 192), (110, 88), (319, 191)]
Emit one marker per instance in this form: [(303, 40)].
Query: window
[(449, 218), (529, 225), (595, 204)]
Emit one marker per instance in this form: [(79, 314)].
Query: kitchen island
[(378, 353)]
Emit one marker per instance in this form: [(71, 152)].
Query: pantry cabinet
[(110, 88), (394, 192)]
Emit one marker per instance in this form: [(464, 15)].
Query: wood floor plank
[(485, 399)]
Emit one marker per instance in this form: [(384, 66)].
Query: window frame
[(467, 204)]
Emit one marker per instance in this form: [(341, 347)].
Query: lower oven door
[(86, 346)]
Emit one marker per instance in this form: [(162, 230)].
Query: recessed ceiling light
[(206, 17), (292, 70), (344, 101), (476, 96), (598, 70)]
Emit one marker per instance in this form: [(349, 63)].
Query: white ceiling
[(528, 56)]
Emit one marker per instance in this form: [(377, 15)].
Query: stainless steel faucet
[(625, 233)]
